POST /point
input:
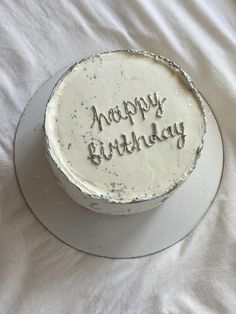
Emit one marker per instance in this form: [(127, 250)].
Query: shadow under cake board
[(104, 235)]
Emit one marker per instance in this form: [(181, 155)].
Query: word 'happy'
[(130, 109)]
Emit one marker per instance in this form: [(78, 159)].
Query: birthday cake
[(123, 131)]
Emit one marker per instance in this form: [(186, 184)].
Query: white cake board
[(103, 235)]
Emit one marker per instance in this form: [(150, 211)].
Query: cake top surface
[(125, 126)]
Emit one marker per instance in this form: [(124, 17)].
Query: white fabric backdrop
[(38, 273)]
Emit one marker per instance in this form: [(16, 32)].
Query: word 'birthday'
[(128, 145), (140, 105)]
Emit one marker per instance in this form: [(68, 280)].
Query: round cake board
[(105, 235)]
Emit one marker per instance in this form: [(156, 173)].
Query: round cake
[(124, 130)]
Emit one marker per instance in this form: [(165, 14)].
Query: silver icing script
[(127, 145)]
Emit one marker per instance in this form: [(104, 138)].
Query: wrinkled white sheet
[(38, 273)]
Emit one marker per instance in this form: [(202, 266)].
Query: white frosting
[(106, 81)]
